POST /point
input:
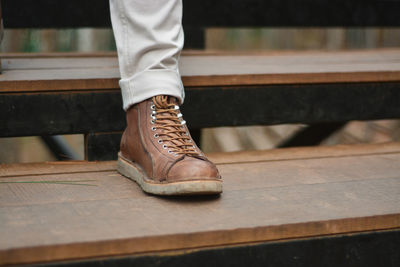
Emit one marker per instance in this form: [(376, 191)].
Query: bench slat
[(262, 201), (24, 114), (89, 73)]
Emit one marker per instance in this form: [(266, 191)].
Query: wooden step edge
[(208, 52), (11, 55), (223, 80), (291, 78), (297, 153), (60, 167), (217, 238), (55, 167)]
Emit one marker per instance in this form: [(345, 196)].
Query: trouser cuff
[(151, 83)]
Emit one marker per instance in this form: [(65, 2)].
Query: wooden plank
[(278, 13), (67, 167), (25, 114), (54, 167), (262, 201), (99, 59), (304, 153), (199, 52), (90, 73), (58, 54), (222, 13), (375, 164), (377, 248)]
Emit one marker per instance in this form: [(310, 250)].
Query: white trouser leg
[(149, 38)]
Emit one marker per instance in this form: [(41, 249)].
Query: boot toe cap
[(193, 169)]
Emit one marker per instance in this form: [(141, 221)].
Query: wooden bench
[(295, 206)]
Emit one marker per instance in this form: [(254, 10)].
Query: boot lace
[(166, 116)]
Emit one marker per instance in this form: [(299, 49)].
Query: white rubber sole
[(191, 187)]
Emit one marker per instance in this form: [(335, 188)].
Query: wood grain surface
[(77, 72), (317, 192)]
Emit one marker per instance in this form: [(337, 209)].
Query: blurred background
[(33, 149)]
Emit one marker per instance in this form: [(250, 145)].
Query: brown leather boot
[(159, 154)]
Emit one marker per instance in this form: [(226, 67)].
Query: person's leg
[(157, 150), (149, 38)]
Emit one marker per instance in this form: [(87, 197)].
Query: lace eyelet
[(186, 133), (160, 141), (153, 107), (152, 121), (156, 135), (153, 117), (153, 128), (169, 152), (176, 107), (183, 122), (190, 141), (164, 146), (179, 115)]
